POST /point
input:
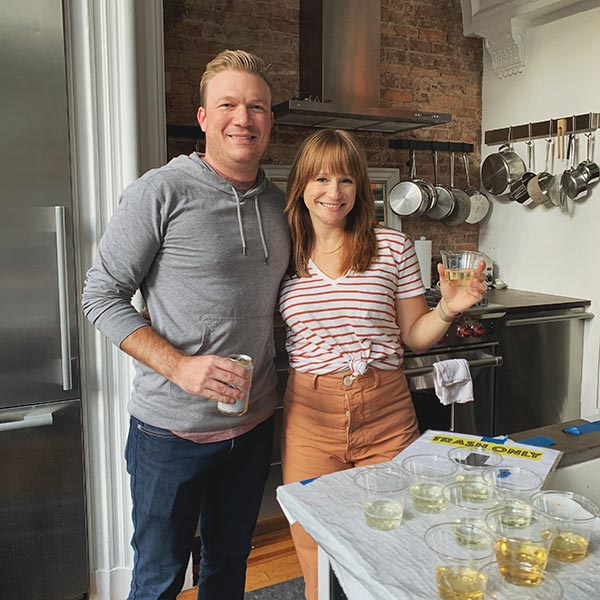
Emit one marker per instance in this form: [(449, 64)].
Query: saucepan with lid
[(414, 197), (501, 169)]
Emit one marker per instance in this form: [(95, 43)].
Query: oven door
[(475, 417)]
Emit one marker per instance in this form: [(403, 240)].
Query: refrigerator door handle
[(63, 298), (28, 421)]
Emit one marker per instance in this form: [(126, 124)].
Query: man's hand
[(209, 376), (212, 377)]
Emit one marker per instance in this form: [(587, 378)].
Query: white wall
[(542, 249)]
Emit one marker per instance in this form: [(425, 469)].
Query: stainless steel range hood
[(339, 72)]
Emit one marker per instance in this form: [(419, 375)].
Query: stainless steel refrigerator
[(43, 548)]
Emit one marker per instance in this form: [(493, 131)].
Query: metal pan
[(410, 198), (462, 202), (480, 205), (445, 200)]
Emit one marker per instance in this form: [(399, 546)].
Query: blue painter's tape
[(307, 481), (539, 440), (585, 428), (495, 440)]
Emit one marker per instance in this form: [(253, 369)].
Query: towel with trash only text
[(452, 381)]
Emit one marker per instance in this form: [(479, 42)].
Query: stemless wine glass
[(457, 564), (429, 474), (471, 462), (498, 588), (523, 538), (384, 489), (516, 482), (575, 516)]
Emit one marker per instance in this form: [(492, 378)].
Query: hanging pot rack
[(541, 129)]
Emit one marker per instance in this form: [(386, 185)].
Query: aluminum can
[(239, 407)]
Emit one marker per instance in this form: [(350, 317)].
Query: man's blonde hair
[(235, 60)]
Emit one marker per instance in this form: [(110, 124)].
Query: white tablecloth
[(396, 564)]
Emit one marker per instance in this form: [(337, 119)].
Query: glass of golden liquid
[(383, 493), (459, 264), (429, 474), (575, 516), (457, 571), (523, 539), (497, 588)]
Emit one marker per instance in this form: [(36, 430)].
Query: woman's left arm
[(420, 327)]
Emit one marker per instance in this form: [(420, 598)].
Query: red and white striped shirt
[(350, 322)]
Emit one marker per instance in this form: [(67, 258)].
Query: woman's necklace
[(330, 251)]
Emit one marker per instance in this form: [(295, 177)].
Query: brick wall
[(427, 64)]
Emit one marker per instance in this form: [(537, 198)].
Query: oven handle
[(491, 361), (549, 319)]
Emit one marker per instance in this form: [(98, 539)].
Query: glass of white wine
[(575, 516), (457, 571), (459, 265), (383, 494), (429, 474)]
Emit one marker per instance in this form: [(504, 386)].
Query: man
[(205, 240)]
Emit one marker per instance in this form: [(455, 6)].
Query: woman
[(353, 298)]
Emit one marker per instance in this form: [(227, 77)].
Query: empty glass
[(575, 516), (429, 474), (516, 482), (523, 537), (384, 488), (471, 462), (457, 564)]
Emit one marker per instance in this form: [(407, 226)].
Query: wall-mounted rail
[(408, 144), (543, 129)]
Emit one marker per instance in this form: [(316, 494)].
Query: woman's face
[(329, 198)]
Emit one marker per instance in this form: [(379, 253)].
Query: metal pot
[(411, 198), (462, 202), (573, 181), (588, 167), (500, 169), (480, 205), (538, 187), (445, 200)]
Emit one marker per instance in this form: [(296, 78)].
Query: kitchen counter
[(576, 448), (522, 301)]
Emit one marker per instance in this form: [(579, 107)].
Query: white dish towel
[(452, 381)]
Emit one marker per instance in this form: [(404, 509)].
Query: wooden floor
[(272, 559)]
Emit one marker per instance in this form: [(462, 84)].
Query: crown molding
[(504, 25)]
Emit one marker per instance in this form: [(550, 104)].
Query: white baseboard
[(110, 585)]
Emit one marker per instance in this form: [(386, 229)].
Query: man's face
[(237, 120)]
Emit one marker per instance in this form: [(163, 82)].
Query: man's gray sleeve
[(126, 252)]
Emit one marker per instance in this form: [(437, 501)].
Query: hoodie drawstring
[(241, 227), (260, 229), (239, 216)]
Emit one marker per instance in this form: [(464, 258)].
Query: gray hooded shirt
[(208, 261)]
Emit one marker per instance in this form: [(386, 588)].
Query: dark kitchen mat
[(288, 590)]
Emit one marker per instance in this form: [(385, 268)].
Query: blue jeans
[(174, 482)]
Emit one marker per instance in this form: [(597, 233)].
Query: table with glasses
[(398, 563)]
